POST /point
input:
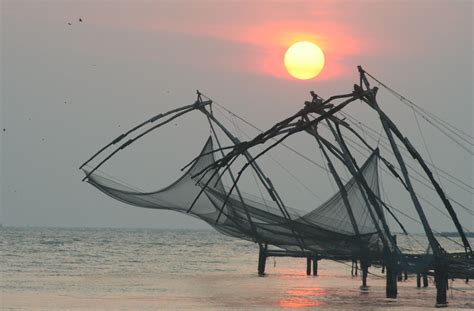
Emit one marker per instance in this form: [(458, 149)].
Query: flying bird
[(69, 24), (80, 20)]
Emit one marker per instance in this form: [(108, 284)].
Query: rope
[(414, 178), (419, 222), (453, 139), (428, 186), (327, 171), (406, 101), (368, 272), (325, 168), (115, 179), (438, 170), (261, 131), (426, 145), (239, 131), (283, 167)]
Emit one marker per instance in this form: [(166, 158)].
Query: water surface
[(149, 269)]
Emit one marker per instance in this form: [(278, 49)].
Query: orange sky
[(266, 31)]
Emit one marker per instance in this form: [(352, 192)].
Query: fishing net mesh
[(327, 229)]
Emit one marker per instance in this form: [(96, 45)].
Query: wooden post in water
[(425, 279), (441, 279), (308, 265), (262, 259), (315, 266), (364, 265), (391, 290), (418, 280)]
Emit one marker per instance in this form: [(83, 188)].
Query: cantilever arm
[(276, 130), (179, 112), (122, 136)]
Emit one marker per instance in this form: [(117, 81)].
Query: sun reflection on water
[(297, 296), (302, 297)]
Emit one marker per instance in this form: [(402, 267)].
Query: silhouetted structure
[(351, 225)]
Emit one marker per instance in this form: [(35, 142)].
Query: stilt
[(308, 265), (399, 276), (391, 290), (315, 266), (418, 280), (262, 259), (441, 279), (364, 265), (353, 267), (405, 275), (425, 279)]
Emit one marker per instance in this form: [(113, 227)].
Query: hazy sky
[(66, 89)]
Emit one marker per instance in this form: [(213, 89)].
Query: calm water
[(52, 268)]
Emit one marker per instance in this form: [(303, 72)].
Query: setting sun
[(304, 60)]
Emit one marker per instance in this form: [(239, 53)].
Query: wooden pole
[(261, 176), (425, 279), (441, 279), (388, 128), (364, 265), (308, 265), (391, 290), (400, 276), (418, 280), (315, 266), (262, 259), (337, 179)]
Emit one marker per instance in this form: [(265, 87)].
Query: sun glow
[(304, 60)]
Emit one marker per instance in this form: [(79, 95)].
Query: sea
[(153, 269)]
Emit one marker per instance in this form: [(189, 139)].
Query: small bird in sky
[(80, 20), (69, 24), (4, 129)]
